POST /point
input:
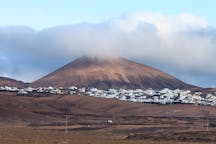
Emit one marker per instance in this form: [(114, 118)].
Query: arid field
[(63, 119), (35, 136)]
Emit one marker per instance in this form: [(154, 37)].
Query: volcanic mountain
[(11, 82), (109, 73)]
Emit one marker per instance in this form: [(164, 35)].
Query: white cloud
[(165, 24), (182, 42)]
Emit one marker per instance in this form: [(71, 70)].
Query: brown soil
[(85, 116)]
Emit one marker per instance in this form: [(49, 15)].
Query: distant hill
[(11, 82), (109, 73)]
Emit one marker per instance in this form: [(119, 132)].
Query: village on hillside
[(164, 96)]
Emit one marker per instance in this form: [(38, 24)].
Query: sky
[(176, 36)]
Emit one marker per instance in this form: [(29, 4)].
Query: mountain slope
[(11, 82), (109, 73)]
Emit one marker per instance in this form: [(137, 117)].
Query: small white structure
[(82, 90), (109, 121), (72, 88), (22, 92)]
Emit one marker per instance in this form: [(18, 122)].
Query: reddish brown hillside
[(11, 82), (109, 73)]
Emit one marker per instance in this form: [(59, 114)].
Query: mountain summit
[(109, 73)]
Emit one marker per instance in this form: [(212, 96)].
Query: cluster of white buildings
[(164, 96)]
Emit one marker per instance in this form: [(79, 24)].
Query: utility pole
[(193, 123), (207, 120), (66, 124), (206, 113)]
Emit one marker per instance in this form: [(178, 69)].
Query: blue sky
[(176, 36), (47, 13)]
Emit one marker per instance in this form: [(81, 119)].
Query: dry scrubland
[(33, 136), (41, 119)]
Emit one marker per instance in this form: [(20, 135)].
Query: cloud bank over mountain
[(183, 45)]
